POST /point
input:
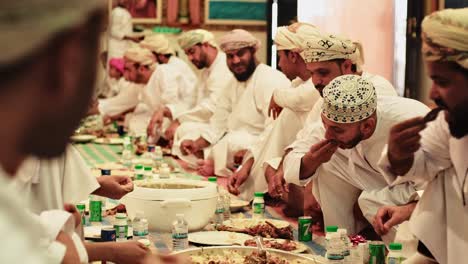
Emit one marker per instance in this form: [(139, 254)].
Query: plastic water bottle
[(346, 245), (157, 157), (335, 249), (258, 205), (127, 152), (121, 227), (179, 233), (227, 205), (138, 229), (219, 213), (395, 255)]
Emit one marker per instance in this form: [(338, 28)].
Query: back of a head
[(54, 43), (293, 36)]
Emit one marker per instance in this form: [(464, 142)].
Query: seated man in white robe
[(49, 184), (270, 147), (340, 154), (241, 114), (201, 49), (172, 85), (136, 60), (435, 151), (327, 57)]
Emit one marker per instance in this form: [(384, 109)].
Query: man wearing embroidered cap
[(340, 153), (270, 147), (202, 51), (241, 113), (436, 152)]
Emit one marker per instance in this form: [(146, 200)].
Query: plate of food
[(237, 204), (269, 228), (109, 141), (245, 255), (82, 138), (280, 244), (218, 238)]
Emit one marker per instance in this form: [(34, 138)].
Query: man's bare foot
[(205, 167)]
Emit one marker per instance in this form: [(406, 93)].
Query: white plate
[(109, 141), (237, 205), (94, 232), (251, 222), (218, 238), (82, 138)]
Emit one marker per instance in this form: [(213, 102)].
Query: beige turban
[(292, 37), (140, 55), (157, 43), (445, 36), (26, 24), (349, 99), (238, 39), (325, 47), (196, 36)]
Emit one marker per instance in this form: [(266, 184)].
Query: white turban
[(445, 36), (325, 47), (196, 36), (27, 24), (238, 39), (292, 37), (349, 99), (157, 43), (140, 55)]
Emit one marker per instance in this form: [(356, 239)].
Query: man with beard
[(200, 47), (340, 154), (436, 152), (241, 113), (138, 66), (270, 146)]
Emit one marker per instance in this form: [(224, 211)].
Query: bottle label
[(121, 231), (334, 256), (258, 208), (95, 211), (139, 177), (393, 260), (179, 235), (140, 233), (219, 210)]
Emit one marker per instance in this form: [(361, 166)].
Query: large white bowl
[(160, 206)]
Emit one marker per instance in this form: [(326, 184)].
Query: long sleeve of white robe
[(120, 26), (441, 214), (180, 84), (244, 105), (301, 99), (212, 82), (125, 100)]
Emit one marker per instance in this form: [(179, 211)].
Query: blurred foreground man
[(436, 152), (34, 76)]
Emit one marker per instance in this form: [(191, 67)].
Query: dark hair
[(341, 61)]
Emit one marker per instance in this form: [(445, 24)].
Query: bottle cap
[(331, 229), (212, 179), (396, 246), (148, 168), (138, 167), (259, 194)]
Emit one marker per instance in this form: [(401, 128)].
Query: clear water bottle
[(149, 154), (136, 224), (346, 245), (127, 152), (335, 249), (258, 205), (157, 157), (179, 233), (219, 213), (121, 227), (227, 205)]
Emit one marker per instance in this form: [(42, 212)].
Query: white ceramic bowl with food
[(162, 199), (237, 254)]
